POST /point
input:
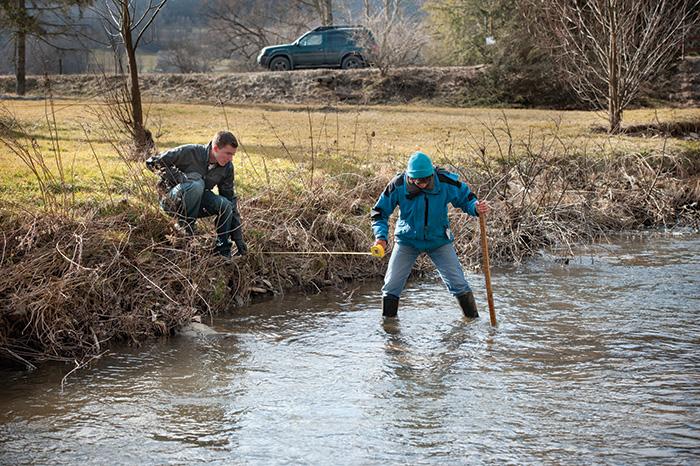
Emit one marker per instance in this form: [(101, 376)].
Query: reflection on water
[(596, 361)]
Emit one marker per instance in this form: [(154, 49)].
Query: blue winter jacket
[(423, 221)]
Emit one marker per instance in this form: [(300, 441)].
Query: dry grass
[(72, 284), (346, 139), (88, 257)]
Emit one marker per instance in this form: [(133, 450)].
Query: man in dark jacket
[(190, 173), (422, 194)]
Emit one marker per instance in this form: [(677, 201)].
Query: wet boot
[(468, 305), (390, 306)]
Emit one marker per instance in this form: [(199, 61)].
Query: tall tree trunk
[(326, 12), (388, 10), (21, 62), (21, 46), (614, 110), (139, 132)]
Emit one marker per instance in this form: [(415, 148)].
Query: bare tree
[(324, 9), (185, 55), (43, 20), (609, 48), (400, 38), (243, 28), (126, 22)]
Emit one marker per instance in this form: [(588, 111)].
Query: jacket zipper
[(425, 225)]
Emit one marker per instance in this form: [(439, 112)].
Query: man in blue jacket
[(192, 171), (422, 194)]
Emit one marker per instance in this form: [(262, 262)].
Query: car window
[(311, 39), (338, 39)]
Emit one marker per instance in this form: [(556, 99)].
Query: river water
[(595, 361)]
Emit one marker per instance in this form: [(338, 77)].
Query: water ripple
[(594, 362)]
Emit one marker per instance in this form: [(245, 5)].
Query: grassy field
[(279, 139)]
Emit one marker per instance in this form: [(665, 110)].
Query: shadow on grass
[(688, 129), (9, 128)]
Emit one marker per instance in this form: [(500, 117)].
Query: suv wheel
[(280, 64), (352, 62)]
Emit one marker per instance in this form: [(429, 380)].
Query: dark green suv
[(324, 47)]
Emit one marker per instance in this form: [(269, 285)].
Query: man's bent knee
[(195, 187)]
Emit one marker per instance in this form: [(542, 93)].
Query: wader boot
[(468, 305), (390, 306)]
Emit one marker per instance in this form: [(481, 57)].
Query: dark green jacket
[(193, 161)]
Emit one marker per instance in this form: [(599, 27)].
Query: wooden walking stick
[(487, 271)]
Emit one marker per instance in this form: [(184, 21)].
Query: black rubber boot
[(468, 305), (390, 306)]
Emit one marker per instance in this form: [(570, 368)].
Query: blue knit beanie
[(419, 165)]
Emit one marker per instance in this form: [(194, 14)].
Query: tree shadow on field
[(688, 129), (9, 128)]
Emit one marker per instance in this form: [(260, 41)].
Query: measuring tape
[(375, 251)]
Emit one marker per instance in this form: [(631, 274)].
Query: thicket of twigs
[(73, 280), (70, 284), (550, 194)]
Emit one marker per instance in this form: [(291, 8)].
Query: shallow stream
[(594, 361)]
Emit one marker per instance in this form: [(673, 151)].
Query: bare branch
[(608, 49), (150, 21)]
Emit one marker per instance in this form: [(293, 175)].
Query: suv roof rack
[(346, 26)]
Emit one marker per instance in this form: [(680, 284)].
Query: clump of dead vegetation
[(548, 193), (682, 129), (71, 284), (75, 278), (689, 129)]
